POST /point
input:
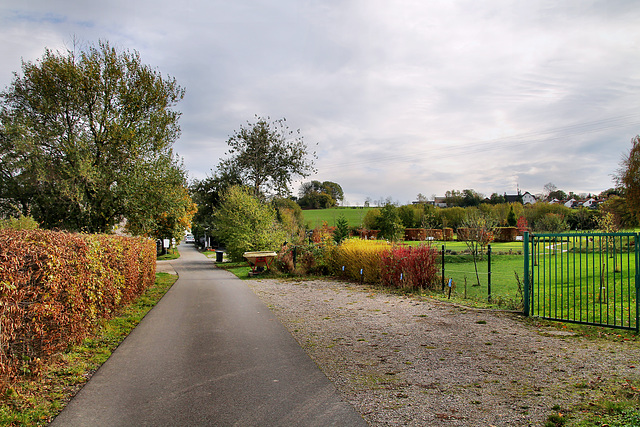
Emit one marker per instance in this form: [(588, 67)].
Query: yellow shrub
[(356, 255)]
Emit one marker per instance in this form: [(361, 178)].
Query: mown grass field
[(505, 290), (315, 217)]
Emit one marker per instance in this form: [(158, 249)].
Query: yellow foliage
[(358, 255)]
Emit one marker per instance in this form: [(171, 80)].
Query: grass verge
[(36, 401), (171, 254), (240, 269), (617, 406)]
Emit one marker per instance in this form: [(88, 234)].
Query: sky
[(397, 97)]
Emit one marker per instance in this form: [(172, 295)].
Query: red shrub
[(410, 267)]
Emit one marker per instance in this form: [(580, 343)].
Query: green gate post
[(489, 272), (526, 273)]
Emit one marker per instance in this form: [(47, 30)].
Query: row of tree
[(392, 220), (86, 139)]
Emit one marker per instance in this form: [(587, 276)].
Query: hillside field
[(315, 217)]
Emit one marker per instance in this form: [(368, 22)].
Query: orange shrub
[(54, 287)]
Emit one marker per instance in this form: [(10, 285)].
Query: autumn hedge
[(55, 287)]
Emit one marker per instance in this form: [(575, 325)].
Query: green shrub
[(245, 224), (390, 225), (535, 215), (411, 216), (452, 217), (20, 223), (371, 219), (342, 230), (551, 223), (303, 259)]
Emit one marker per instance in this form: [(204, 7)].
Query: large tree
[(628, 178), (464, 198), (267, 156), (207, 194), (83, 131)]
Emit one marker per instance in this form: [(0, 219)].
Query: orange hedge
[(55, 287)]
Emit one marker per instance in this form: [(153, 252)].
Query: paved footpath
[(209, 354)]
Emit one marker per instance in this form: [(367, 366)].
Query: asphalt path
[(210, 353)]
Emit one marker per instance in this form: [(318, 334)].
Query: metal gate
[(588, 278)]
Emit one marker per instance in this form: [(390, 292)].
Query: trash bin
[(219, 256)]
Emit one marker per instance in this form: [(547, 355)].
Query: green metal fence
[(589, 278)]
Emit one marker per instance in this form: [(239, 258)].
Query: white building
[(528, 199)]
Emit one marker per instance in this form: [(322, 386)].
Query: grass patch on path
[(36, 401), (240, 269)]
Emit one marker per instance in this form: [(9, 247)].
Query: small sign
[(165, 243)]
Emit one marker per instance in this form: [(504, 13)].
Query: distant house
[(591, 203), (571, 203), (440, 202), (437, 201), (528, 199)]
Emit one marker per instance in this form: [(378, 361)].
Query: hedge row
[(420, 234), (55, 287)]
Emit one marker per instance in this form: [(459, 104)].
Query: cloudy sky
[(402, 97)]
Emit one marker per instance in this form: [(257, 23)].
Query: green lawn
[(585, 287), (315, 217), (459, 246), (171, 254), (504, 285)]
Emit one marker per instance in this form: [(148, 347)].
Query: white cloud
[(402, 97)]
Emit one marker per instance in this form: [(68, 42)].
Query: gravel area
[(405, 360)]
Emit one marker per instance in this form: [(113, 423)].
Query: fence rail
[(588, 278)]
